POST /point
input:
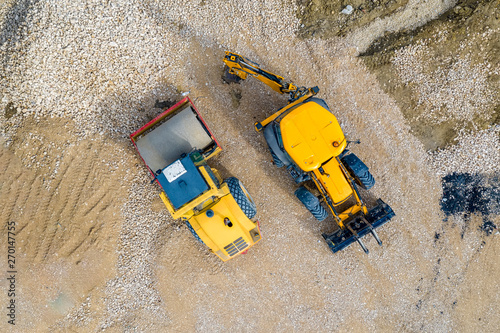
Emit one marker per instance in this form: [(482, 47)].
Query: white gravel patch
[(413, 15), (474, 153), (133, 290), (95, 61), (457, 91)]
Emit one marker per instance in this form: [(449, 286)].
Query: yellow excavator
[(305, 138)]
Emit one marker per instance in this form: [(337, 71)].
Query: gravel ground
[(459, 92), (102, 66), (482, 157)]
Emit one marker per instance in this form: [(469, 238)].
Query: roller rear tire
[(190, 227), (242, 197)]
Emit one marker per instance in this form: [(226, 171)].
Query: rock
[(347, 10)]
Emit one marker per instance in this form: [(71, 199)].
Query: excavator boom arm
[(242, 67)]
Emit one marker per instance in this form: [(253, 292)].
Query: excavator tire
[(311, 203), (242, 197), (194, 232), (359, 171), (366, 180), (276, 160), (230, 78)]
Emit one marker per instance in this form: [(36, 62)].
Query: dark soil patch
[(10, 110), (392, 41), (164, 104), (324, 18), (235, 97), (472, 194)]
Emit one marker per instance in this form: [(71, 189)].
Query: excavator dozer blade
[(359, 226)]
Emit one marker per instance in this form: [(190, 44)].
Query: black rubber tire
[(230, 78), (242, 197), (358, 170), (311, 203), (366, 180), (276, 160), (190, 227)]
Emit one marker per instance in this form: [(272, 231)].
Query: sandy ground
[(95, 248)]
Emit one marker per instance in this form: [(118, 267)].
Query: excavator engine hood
[(311, 135)]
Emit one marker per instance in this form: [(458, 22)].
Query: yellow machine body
[(225, 239), (334, 181), (311, 136), (210, 210), (306, 137), (217, 235)]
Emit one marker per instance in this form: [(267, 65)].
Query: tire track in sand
[(11, 175), (42, 222), (65, 205)]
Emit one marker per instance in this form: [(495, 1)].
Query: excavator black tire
[(276, 160), (359, 171), (311, 203), (230, 78), (366, 180)]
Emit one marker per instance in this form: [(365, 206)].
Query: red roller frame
[(162, 116)]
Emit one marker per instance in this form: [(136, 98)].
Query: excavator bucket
[(359, 226)]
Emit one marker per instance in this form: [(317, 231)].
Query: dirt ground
[(458, 89), (95, 248), (327, 18)]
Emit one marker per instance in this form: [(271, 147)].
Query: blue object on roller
[(182, 182)]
